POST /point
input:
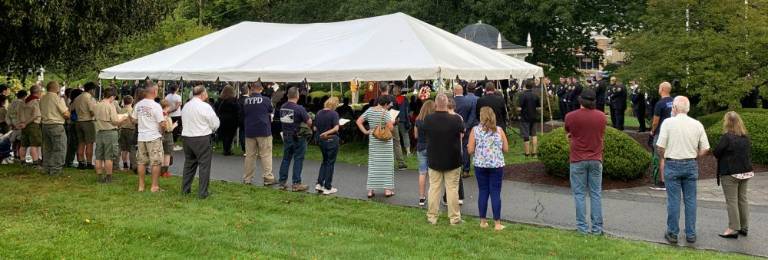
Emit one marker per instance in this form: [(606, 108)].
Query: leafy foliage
[(718, 60), (62, 34), (756, 121), (623, 157)]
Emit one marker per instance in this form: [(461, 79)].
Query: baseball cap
[(588, 94)]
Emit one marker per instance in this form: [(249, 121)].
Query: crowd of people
[(452, 133)]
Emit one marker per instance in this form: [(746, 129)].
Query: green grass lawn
[(74, 217)]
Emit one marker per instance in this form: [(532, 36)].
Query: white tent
[(389, 47)]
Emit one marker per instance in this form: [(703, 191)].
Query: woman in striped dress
[(381, 161)]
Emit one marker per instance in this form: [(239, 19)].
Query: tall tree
[(717, 52), (64, 33)]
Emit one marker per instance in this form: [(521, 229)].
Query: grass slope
[(74, 217)]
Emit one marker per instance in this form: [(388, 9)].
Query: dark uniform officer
[(562, 88), (574, 93), (638, 105), (601, 86), (618, 103)]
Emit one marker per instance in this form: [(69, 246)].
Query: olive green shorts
[(106, 145), (127, 139), (32, 136), (86, 132)]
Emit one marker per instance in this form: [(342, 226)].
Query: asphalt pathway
[(625, 215)]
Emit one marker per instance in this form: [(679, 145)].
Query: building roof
[(486, 35)]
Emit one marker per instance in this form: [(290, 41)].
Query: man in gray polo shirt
[(681, 140)]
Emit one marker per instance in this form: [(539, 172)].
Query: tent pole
[(542, 103)]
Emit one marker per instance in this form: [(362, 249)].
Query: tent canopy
[(388, 47)]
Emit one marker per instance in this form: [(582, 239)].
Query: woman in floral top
[(488, 143)]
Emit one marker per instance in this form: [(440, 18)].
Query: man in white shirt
[(174, 100), (151, 122), (681, 140), (199, 123)]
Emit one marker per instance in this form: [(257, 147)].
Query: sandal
[(389, 193), (371, 194)]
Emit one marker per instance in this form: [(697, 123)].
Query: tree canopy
[(719, 58)]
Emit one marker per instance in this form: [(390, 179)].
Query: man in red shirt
[(586, 130)]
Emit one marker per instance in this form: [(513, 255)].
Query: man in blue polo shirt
[(257, 114)]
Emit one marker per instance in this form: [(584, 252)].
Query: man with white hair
[(681, 140)]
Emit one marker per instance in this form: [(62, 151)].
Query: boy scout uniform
[(106, 131), (12, 118), (127, 139), (52, 110), (85, 129), (31, 135)]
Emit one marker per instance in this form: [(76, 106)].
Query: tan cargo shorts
[(150, 152)]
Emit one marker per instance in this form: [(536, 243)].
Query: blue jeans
[(489, 185), (329, 148), (588, 176), (293, 149), (464, 154), (681, 176)]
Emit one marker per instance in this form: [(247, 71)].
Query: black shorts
[(527, 129)]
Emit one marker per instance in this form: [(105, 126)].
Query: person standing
[(149, 116), (229, 112), (618, 103), (12, 118), (495, 101), (638, 105), (53, 114), (443, 131), (106, 122), (529, 114), (167, 139), (421, 148), (403, 120), (174, 102), (29, 121), (734, 169), (72, 141), (293, 118), (3, 114), (487, 144), (562, 97), (244, 93), (257, 116), (127, 139), (200, 122), (397, 148), (381, 173), (601, 87), (84, 106), (586, 132), (327, 127), (681, 140), (574, 94), (661, 112), (465, 107)]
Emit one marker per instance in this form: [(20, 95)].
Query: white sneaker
[(330, 191), (319, 188), (177, 148)]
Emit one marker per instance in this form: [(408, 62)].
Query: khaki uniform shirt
[(52, 109), (30, 111), (84, 105), (127, 124), (105, 115), (12, 116)]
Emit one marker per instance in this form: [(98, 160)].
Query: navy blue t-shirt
[(325, 120), (663, 110), (256, 111), (291, 117)]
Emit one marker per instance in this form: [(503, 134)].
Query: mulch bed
[(535, 172)]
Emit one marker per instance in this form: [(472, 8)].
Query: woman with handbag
[(734, 169), (381, 161)]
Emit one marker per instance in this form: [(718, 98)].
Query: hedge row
[(623, 157), (756, 121)]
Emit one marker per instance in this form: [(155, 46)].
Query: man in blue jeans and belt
[(681, 140), (586, 131), (292, 115)]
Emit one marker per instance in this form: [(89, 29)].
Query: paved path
[(633, 215)]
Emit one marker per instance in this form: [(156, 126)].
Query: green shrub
[(756, 121), (717, 117), (623, 157)]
